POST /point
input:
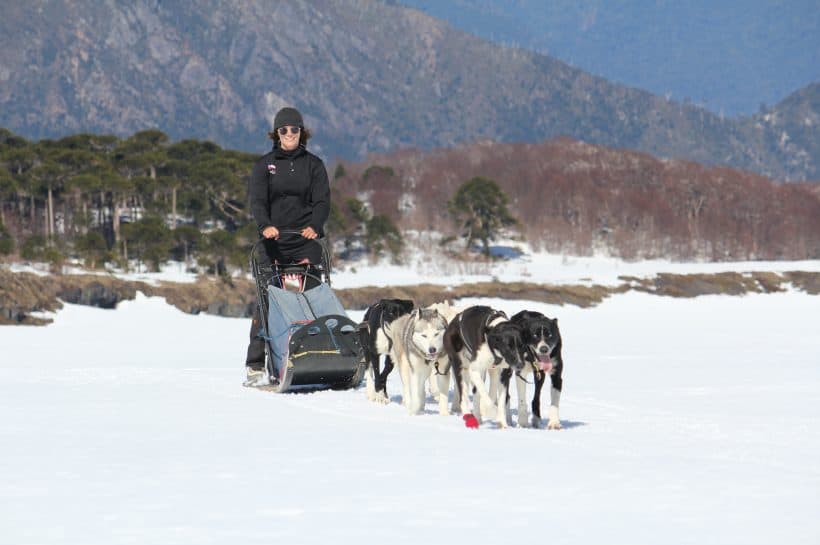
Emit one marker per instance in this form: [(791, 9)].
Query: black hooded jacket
[(289, 190)]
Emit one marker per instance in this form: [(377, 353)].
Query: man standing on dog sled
[(290, 202)]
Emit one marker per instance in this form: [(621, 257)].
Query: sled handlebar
[(321, 241)]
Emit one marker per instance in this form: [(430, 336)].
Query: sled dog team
[(480, 347)]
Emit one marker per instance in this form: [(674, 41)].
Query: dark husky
[(542, 338), (376, 342), (477, 341)]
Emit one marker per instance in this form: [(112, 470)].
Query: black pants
[(288, 249)]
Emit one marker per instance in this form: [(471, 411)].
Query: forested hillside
[(369, 76), (102, 199), (573, 197)]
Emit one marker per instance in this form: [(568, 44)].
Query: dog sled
[(310, 342)]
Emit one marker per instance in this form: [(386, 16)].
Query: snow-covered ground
[(685, 421), (526, 266), (549, 269)]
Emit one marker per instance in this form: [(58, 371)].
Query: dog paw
[(381, 399), (502, 423), (523, 422), (554, 425), (414, 407), (535, 422)]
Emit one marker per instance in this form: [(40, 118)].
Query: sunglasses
[(293, 130)]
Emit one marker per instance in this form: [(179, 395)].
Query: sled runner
[(309, 339)]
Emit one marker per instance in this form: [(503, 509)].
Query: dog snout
[(432, 350), (544, 349)]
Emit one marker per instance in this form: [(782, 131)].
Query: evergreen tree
[(187, 239), (150, 239), (336, 223), (358, 210), (33, 248), (479, 207), (92, 248), (6, 242), (382, 234), (8, 189), (220, 249)]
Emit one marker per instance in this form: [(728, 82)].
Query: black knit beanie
[(288, 116)]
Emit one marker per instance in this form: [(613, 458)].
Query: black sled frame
[(310, 343)]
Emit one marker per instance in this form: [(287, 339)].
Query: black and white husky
[(376, 342), (418, 352), (542, 339), (478, 341)]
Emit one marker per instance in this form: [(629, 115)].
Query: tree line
[(143, 199), (105, 199), (576, 198)]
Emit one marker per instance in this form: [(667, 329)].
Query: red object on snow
[(470, 421)]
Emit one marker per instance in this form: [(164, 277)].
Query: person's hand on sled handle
[(309, 233), (270, 232)]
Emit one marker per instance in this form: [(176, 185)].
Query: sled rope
[(312, 352)]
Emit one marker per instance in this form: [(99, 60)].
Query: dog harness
[(492, 315)]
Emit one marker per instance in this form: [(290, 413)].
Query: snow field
[(686, 421)]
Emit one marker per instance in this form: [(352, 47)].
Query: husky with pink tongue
[(543, 340)]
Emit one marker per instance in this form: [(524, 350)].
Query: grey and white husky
[(449, 311), (418, 351)]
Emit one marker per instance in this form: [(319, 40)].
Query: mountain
[(369, 77), (791, 128), (726, 57)]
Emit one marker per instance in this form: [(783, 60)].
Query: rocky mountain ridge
[(728, 59), (369, 77)]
